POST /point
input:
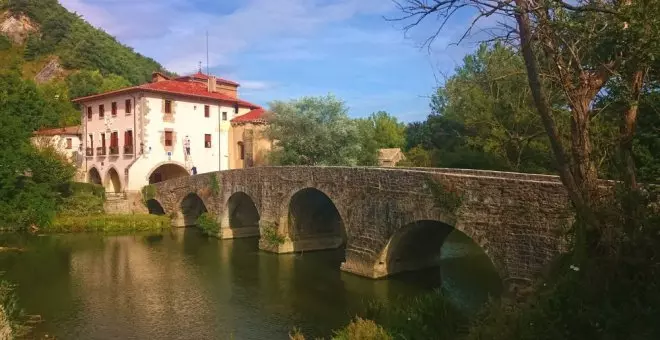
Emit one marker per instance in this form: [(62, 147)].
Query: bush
[(208, 223), (71, 188), (12, 317), (107, 223), (82, 204), (360, 329)]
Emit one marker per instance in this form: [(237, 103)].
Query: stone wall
[(517, 219)]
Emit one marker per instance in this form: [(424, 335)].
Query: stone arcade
[(390, 220)]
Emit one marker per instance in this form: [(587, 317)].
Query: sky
[(286, 49)]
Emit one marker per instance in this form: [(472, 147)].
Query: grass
[(107, 223)]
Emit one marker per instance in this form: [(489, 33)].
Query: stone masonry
[(517, 219)]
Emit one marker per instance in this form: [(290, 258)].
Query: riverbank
[(106, 223)]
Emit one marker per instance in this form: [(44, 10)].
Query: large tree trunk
[(575, 193), (584, 169)]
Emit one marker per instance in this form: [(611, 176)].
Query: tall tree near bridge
[(577, 46), (313, 131)]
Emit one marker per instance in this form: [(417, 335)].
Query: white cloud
[(256, 85)]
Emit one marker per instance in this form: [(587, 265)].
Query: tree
[(84, 83), (313, 131), (489, 98), (379, 130)]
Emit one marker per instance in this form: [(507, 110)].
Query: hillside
[(65, 55)]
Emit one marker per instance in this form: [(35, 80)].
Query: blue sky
[(285, 49)]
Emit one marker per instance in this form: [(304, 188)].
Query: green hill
[(66, 56)]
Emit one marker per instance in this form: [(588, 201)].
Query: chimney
[(212, 84), (157, 76)]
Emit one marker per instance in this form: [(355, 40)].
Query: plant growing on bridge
[(148, 193), (271, 235), (446, 198), (208, 223), (215, 185)]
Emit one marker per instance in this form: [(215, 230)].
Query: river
[(182, 285)]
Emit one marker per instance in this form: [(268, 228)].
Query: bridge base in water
[(321, 243), (229, 233)]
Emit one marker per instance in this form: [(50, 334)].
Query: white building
[(160, 130), (66, 141)]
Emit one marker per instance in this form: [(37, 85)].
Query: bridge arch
[(242, 211), (155, 208), (165, 171), (313, 221), (420, 244), (112, 181), (192, 206), (93, 176)]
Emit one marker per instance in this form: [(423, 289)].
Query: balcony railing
[(128, 149), (89, 151), (114, 150), (100, 151)]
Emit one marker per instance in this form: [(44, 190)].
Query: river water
[(182, 285)]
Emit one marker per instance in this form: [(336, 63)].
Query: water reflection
[(181, 285)]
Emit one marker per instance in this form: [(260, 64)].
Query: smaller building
[(247, 136), (390, 157), (66, 141)]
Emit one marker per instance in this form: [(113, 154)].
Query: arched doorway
[(112, 181), (313, 216), (166, 172), (242, 211), (93, 176), (192, 208), (155, 208)]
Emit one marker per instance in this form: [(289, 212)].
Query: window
[(224, 116), (168, 138), (236, 108), (128, 138), (69, 143), (168, 106), (91, 140), (207, 111), (207, 140), (114, 139), (127, 106), (241, 150), (101, 111), (114, 109), (103, 140), (89, 113)]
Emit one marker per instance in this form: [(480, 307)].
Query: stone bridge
[(389, 219)]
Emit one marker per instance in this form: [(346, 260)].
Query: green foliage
[(215, 185), (313, 131), (78, 44), (29, 178), (107, 223), (429, 316), (361, 329), (416, 157), (82, 204), (378, 131), (69, 189), (12, 317), (209, 224), (5, 43), (86, 82), (148, 193), (270, 234)]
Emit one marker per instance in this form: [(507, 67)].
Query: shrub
[(208, 223), (82, 204), (12, 317), (148, 193), (361, 329), (107, 223), (270, 234)]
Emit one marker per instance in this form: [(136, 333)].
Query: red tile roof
[(180, 86), (67, 130), (254, 116)]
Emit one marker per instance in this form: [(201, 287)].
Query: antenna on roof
[(207, 52), (200, 67)]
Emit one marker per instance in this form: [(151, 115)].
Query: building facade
[(171, 127), (66, 141)]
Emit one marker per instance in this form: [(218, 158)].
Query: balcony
[(89, 151), (100, 151), (114, 150), (128, 149)]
